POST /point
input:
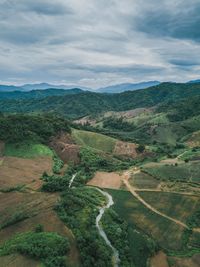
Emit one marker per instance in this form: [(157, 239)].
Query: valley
[(90, 179)]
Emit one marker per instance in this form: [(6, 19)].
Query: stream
[(100, 228), (71, 180)]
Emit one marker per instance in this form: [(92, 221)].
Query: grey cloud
[(99, 42), (177, 21)]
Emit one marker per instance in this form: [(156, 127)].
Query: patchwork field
[(178, 206), (168, 234), (186, 172)]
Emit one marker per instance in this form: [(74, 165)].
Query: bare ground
[(106, 180), (125, 149), (65, 148), (159, 260), (15, 171)]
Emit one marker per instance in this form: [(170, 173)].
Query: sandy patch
[(106, 180)]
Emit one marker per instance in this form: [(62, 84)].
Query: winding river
[(100, 228)]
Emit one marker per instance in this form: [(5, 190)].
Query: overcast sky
[(96, 43)]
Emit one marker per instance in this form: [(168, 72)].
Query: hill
[(87, 103), (38, 93), (119, 88)]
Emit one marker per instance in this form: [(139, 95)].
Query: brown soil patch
[(15, 171), (39, 209), (29, 204), (65, 148), (159, 260), (125, 149), (106, 180), (187, 262)]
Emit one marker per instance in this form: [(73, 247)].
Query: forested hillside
[(86, 103)]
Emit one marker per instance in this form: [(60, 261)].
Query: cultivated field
[(106, 180), (94, 140), (167, 233)]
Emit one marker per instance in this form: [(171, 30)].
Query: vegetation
[(94, 140), (87, 103), (37, 128), (118, 124), (182, 172), (27, 150), (16, 217), (78, 209), (58, 164), (141, 245), (49, 248), (89, 164)]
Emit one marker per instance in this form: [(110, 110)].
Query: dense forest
[(18, 127), (85, 103)]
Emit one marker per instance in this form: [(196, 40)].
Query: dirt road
[(135, 194)]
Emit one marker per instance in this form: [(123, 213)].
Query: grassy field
[(167, 234), (94, 140), (182, 172), (27, 150), (178, 206), (143, 180)]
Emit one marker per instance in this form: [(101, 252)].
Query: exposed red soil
[(15, 171), (106, 180), (65, 148), (125, 149)]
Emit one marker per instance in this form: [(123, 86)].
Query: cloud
[(95, 43), (178, 20)]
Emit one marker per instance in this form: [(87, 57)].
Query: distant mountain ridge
[(39, 86), (38, 94), (119, 88)]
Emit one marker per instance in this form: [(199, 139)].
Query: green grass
[(94, 140), (50, 248), (187, 172), (166, 233), (27, 150), (143, 180), (191, 154), (174, 205)]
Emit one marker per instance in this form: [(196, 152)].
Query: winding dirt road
[(132, 190)]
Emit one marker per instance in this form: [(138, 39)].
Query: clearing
[(106, 180)]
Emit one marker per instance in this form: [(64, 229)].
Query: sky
[(95, 43)]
